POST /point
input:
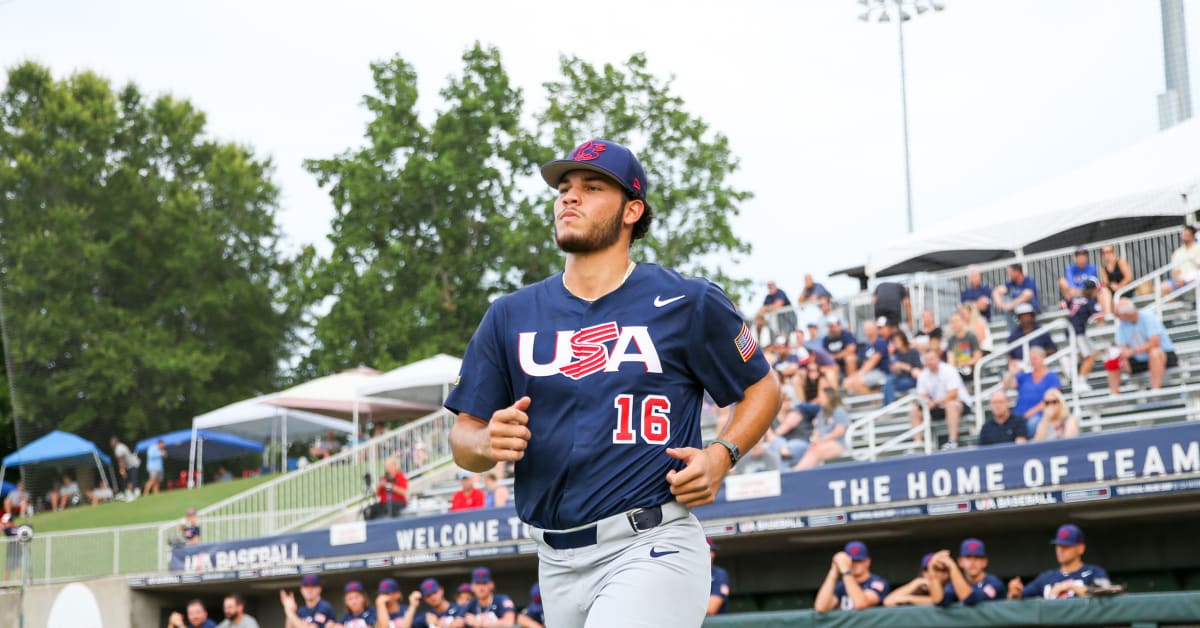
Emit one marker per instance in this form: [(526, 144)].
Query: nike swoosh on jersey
[(654, 554), (659, 301)]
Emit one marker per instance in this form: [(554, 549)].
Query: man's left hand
[(698, 482)]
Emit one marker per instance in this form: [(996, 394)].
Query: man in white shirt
[(1185, 262), (941, 387)]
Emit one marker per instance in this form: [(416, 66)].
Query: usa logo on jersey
[(578, 354)]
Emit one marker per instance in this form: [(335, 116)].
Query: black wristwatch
[(735, 454)]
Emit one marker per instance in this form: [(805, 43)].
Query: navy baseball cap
[(925, 560), (535, 593), (857, 550), (310, 580), (480, 575), (430, 586), (1068, 534), (389, 585), (464, 588), (607, 158), (353, 586), (972, 547)]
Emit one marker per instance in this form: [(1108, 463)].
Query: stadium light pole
[(881, 11)]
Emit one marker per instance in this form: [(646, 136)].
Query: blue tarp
[(56, 446), (216, 445)]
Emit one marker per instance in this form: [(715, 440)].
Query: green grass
[(164, 506)]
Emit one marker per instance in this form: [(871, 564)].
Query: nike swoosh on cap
[(654, 554), (659, 301)]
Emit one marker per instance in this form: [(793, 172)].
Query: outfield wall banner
[(1131, 463)]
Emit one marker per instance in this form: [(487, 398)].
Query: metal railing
[(897, 443), (1001, 353), (323, 488), (91, 553)]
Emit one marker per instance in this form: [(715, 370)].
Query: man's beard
[(600, 237)]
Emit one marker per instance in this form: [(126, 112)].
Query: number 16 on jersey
[(655, 420)]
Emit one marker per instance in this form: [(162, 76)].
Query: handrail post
[(928, 427)]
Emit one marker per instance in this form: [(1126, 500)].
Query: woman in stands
[(978, 325), (829, 430), (906, 365), (1057, 421), (1114, 275)]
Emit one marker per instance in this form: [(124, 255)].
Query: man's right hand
[(288, 600), (508, 435), (1015, 587)]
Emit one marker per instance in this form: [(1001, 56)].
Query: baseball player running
[(592, 381)]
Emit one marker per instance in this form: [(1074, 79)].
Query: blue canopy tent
[(58, 447), (210, 445)]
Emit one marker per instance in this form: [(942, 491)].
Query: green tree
[(688, 164), (139, 258)]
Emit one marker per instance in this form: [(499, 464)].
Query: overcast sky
[(1003, 94)]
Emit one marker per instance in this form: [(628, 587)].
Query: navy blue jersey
[(779, 295), (971, 295), (989, 589), (499, 605), (612, 384), (445, 618), (1044, 341), (535, 612), (396, 619), (1087, 574), (1015, 289), (720, 587), (1083, 310), (867, 349), (365, 619), (874, 583), (318, 615), (845, 339)]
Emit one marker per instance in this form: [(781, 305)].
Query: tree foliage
[(139, 258)]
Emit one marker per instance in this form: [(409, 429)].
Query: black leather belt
[(640, 520)]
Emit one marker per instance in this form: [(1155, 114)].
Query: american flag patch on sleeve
[(745, 343)]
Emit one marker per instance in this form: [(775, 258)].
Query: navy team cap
[(354, 586), (464, 588), (1068, 534), (430, 586), (310, 580), (972, 547), (925, 560), (389, 585), (607, 158), (480, 575), (857, 550)]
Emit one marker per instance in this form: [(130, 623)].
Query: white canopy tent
[(426, 382), (259, 421), (1118, 194)]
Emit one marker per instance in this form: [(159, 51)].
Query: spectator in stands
[(1057, 421), (966, 581), (874, 361), (488, 608), (52, 496), (101, 493), (892, 303), (850, 585), (905, 366), (389, 612), (761, 457), (189, 528), (842, 345), (1114, 275), (222, 475), (829, 431), (17, 501), (718, 595), (1026, 325), (197, 617), (128, 465), (1031, 387), (978, 326), (469, 497), (1185, 262), (1003, 427), (1070, 285), (68, 494), (358, 614), (775, 300), (315, 612), (812, 290), (941, 388), (441, 613), (1073, 576), (497, 493), (1142, 344), (928, 331), (962, 348), (391, 494), (977, 292), (1018, 290), (1084, 309), (533, 616), (916, 591), (234, 606), (325, 447), (154, 467), (814, 336), (791, 436)]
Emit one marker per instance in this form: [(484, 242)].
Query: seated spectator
[(392, 492), (1073, 576), (891, 304), (978, 326), (966, 581), (1114, 275), (190, 528), (849, 584), (962, 348), (100, 494), (469, 497), (497, 494), (1031, 387), (942, 389), (68, 494), (977, 292), (1003, 427), (17, 501), (1084, 309), (916, 592), (790, 437), (842, 345), (775, 300), (813, 290), (1026, 325), (52, 496), (1070, 285), (1142, 344), (927, 331), (814, 336), (874, 361), (760, 458), (1057, 421), (904, 367), (1017, 291), (325, 447), (1185, 262), (223, 475), (829, 431)]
